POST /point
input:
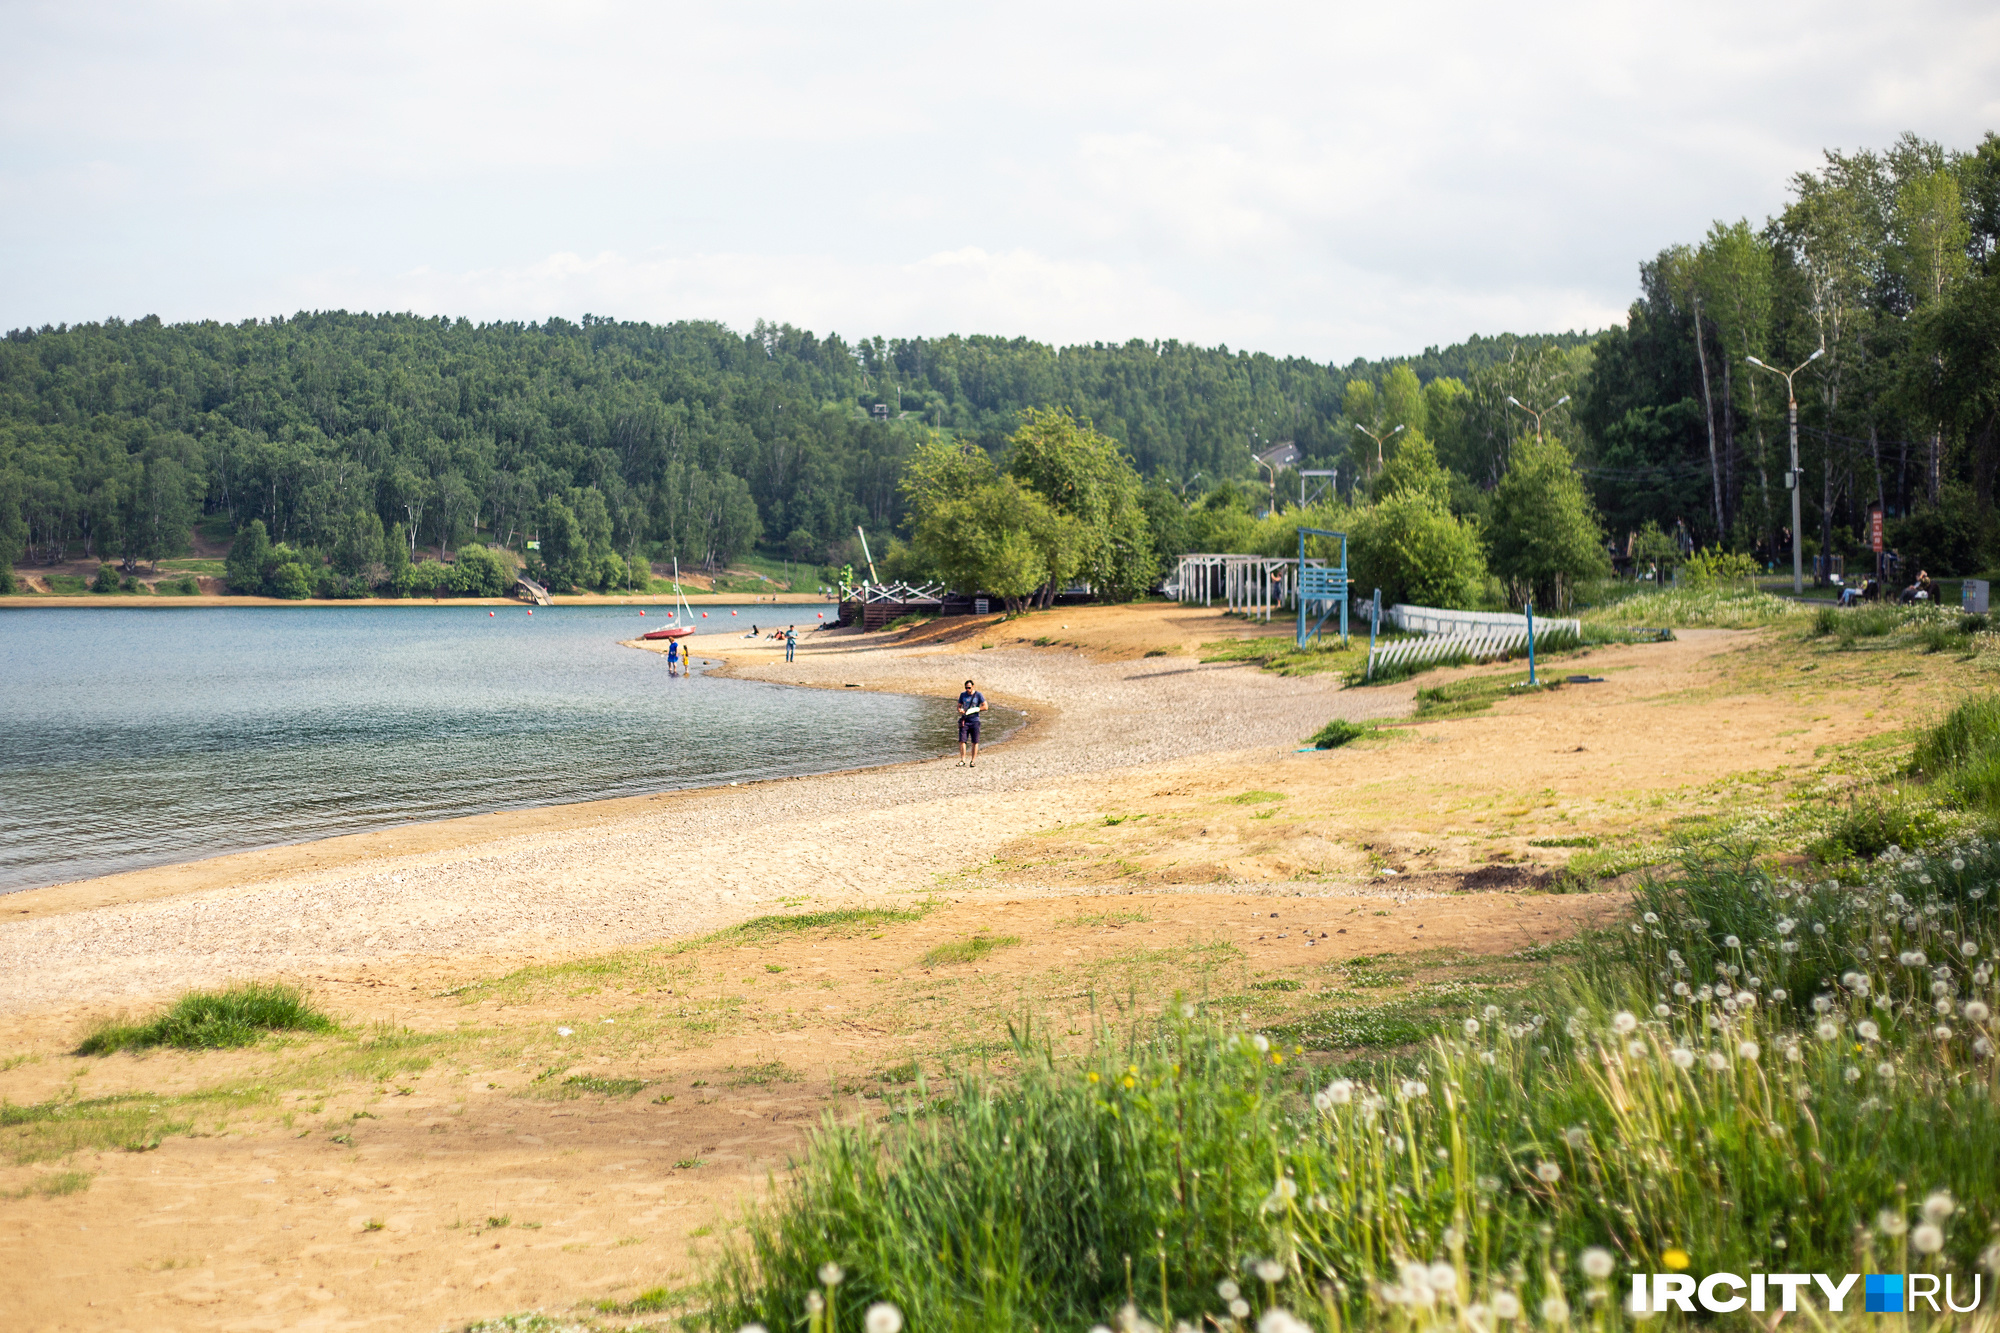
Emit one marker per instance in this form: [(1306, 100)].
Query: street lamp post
[(1378, 440), (1792, 477), (1537, 415)]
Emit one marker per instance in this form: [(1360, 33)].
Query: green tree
[(249, 555), (358, 548), (1545, 535), (1084, 475)]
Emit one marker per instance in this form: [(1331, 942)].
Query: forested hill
[(699, 441)]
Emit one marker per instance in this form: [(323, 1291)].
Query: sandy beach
[(555, 1083), (642, 868)]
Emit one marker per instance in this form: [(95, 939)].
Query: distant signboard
[(534, 546), (1875, 527)]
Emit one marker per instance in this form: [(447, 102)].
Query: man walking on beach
[(673, 657), (971, 703), (791, 641)]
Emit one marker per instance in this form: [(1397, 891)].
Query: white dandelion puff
[(1506, 1305), (1682, 1057), (1623, 1022), (830, 1274), (1548, 1172), (1748, 1050), (1938, 1205), (1596, 1263), (1718, 1061), (1555, 1310), (1269, 1270), (1927, 1239), (883, 1317), (1869, 1032)]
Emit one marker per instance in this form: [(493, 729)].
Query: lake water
[(136, 737)]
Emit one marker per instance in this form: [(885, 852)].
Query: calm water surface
[(143, 736)]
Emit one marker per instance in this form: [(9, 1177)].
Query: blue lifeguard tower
[(1321, 586)]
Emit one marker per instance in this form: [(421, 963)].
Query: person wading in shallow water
[(971, 703)]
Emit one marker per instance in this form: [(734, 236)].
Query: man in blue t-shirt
[(971, 703)]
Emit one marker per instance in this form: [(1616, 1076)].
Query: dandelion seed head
[(1938, 1205), (1280, 1320), (1748, 1050), (1718, 1061), (1269, 1270), (1506, 1305), (1682, 1057), (1942, 1032), (1596, 1263), (1240, 1308), (1228, 1290), (1623, 1022), (1548, 1172), (1635, 1049), (1471, 1027), (1851, 1074), (1555, 1310), (883, 1317), (1682, 989), (1413, 1088), (1731, 942), (1868, 1031), (1779, 995), (830, 1274), (1976, 1011), (752, 1328), (815, 1303), (1891, 1223)]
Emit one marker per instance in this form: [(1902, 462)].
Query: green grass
[(209, 1020), (67, 584), (845, 920), (130, 1122), (1254, 798), (1338, 733), (53, 1186), (968, 950), (1676, 608), (1280, 653), (1475, 695), (1629, 1100), (603, 1087)]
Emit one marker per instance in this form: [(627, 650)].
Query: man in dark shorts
[(971, 703)]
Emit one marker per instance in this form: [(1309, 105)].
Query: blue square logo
[(1885, 1293)]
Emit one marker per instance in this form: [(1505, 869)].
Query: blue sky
[(1327, 180)]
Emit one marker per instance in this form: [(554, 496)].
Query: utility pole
[(1792, 477)]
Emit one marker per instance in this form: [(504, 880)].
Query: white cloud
[(1327, 180)]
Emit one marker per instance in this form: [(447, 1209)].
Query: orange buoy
[(489, 615)]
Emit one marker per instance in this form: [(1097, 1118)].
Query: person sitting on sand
[(971, 703)]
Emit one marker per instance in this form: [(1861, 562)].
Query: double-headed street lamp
[(1792, 477), (1378, 440), (1537, 415)]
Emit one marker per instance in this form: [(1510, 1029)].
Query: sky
[(1326, 180)]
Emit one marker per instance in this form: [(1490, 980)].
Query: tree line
[(371, 446)]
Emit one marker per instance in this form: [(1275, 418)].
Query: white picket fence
[(1464, 636)]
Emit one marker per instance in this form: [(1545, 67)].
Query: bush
[(106, 580), (210, 1020), (1871, 825), (8, 583), (1338, 733), (290, 580), (1417, 551), (481, 573)]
